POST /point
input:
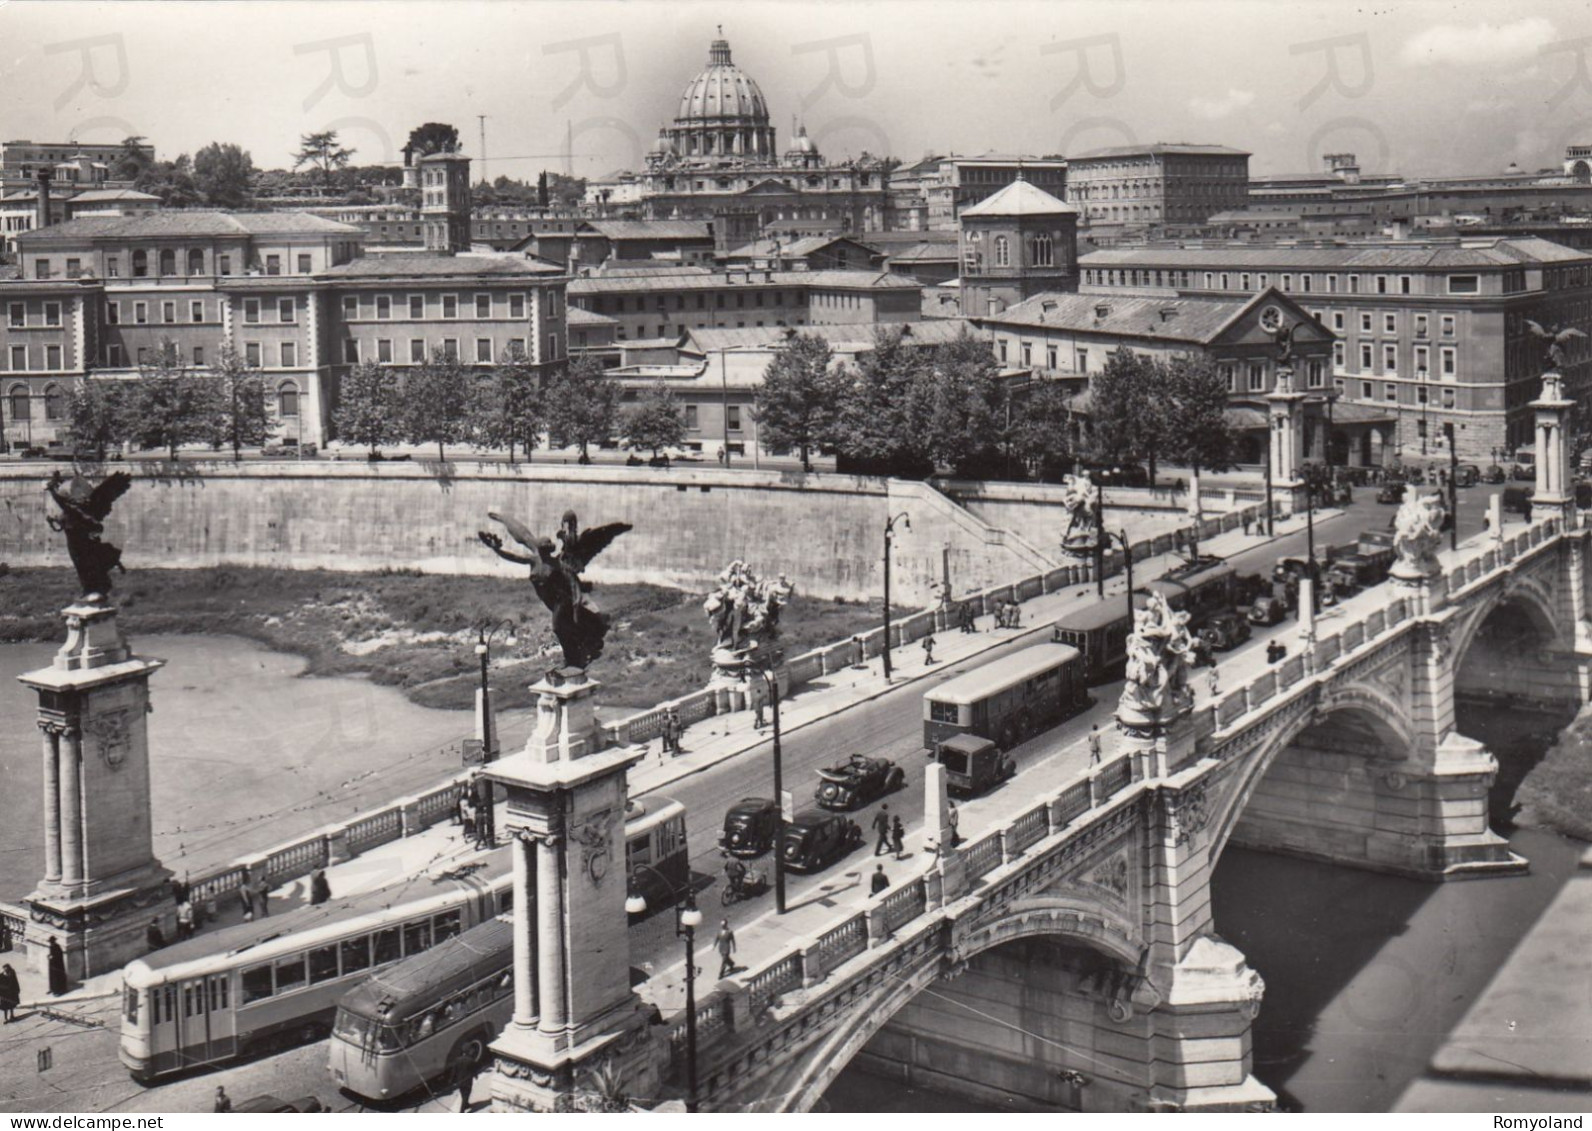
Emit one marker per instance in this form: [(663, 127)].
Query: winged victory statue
[(83, 509)]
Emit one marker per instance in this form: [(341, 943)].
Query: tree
[(655, 421), (242, 413), (1043, 435), (224, 175), (368, 404), (970, 414), (131, 162), (172, 181), (169, 405), (434, 137), (1196, 397), (582, 406), (797, 405), (436, 402), (322, 151), (884, 422), (507, 406), (1127, 410), (96, 412)]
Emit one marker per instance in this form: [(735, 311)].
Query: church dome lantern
[(723, 116)]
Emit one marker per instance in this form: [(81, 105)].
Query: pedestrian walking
[(953, 816), (1246, 524), (223, 1101), (725, 945), (1213, 682), (735, 876), (320, 887), (759, 701), (898, 837), (668, 732), (928, 649), (677, 728), (57, 968), (881, 825), (262, 898), (154, 937), (968, 627), (246, 898), (184, 921), (1014, 618), (10, 993), (464, 1080), (467, 816), (879, 882), (1094, 745)]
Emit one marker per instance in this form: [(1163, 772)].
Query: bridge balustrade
[(780, 976), (1291, 671), (904, 904), (13, 927), (1264, 687), (1113, 778), (984, 856), (217, 884), (434, 805), (1353, 635), (1030, 827), (713, 1021), (1375, 624), (375, 829), (1327, 651), (295, 860), (1058, 578), (1231, 707), (836, 945), (1073, 803), (1029, 588), (805, 668)]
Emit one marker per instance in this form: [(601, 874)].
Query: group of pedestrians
[(892, 834), (672, 730), (1008, 614)]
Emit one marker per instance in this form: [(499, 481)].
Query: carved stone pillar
[(52, 802), (525, 1015), (549, 937), (71, 778)]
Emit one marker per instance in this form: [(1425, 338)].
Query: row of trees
[(905, 409)]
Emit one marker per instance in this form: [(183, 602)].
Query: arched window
[(52, 402), (18, 408), (1042, 254), (196, 261), (287, 399), (1002, 252), (140, 262), (168, 261)]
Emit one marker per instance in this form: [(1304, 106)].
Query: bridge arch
[(1061, 918), (1527, 601)]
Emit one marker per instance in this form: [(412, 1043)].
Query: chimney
[(41, 217), (1048, 306), (1102, 309), (1168, 313)]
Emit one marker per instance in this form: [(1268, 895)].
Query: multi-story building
[(930, 195), (291, 293), (665, 305), (811, 253), (1427, 334), (71, 161), (1070, 337), (1015, 244), (1164, 183)]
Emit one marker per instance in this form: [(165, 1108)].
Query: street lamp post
[(483, 649), (1269, 531), (1453, 486), (772, 679), (1101, 539), (889, 532), (1121, 538), (687, 918)]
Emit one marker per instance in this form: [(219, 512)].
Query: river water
[(1366, 974)]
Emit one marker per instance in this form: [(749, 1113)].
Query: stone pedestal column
[(1554, 490), (1287, 422), (52, 801), (566, 718), (549, 939), (525, 1008)]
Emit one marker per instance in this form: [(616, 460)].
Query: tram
[(1008, 700)]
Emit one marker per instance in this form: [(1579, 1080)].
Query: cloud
[(1479, 45), (1222, 105)]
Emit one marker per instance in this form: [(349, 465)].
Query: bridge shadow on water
[(1518, 738), (1309, 928)]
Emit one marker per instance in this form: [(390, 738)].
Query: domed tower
[(1016, 244), (662, 151), (723, 115), (802, 154)]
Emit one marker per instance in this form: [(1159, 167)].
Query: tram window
[(638, 851), (192, 1001), (942, 712), (389, 1039), (256, 984), (417, 937), (505, 901), (323, 964), (289, 973), (672, 836), (356, 954), (387, 949), (445, 925), (218, 993), (170, 995), (130, 1005)]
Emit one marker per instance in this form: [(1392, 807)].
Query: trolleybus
[(1008, 700)]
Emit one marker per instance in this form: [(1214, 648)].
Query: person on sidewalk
[(952, 816), (1213, 682), (879, 882), (669, 739), (968, 627), (223, 1102), (1014, 618), (262, 899), (881, 825), (725, 945), (464, 1079), (184, 921), (320, 888), (154, 937), (10, 993), (759, 702), (898, 837), (928, 649), (57, 968), (1094, 745)]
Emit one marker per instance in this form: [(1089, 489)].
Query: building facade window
[(1390, 358), (289, 354), (251, 310), (417, 306), (1450, 362), (168, 312), (168, 262), (351, 351), (196, 311), (17, 314), (383, 306), (517, 305), (384, 351), (417, 350), (287, 400), (450, 306), (732, 417), (251, 353), (483, 306), (483, 349), (1257, 377), (1002, 252)]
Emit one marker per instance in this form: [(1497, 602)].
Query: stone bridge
[(1064, 955)]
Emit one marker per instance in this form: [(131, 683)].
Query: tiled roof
[(647, 284), (1194, 320), (853, 334), (1162, 147), (651, 229), (925, 253), (193, 222), (576, 316), (1020, 198), (432, 265), (792, 249), (93, 195), (1494, 253)]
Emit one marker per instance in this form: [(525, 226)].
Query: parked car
[(857, 781), (1517, 500), (1467, 475), (273, 1104), (814, 840), (749, 827), (1494, 474), (1224, 631), (972, 764), (1391, 491), (1269, 610)]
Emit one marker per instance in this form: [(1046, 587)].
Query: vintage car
[(1225, 630), (269, 1103), (1467, 475), (1391, 491), (815, 839), (1494, 474), (972, 764), (749, 827), (1269, 610), (857, 781)]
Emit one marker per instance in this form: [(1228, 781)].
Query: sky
[(1414, 87)]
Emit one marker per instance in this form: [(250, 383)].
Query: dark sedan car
[(749, 827), (857, 781), (815, 840)]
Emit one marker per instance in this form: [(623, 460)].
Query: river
[(1365, 973)]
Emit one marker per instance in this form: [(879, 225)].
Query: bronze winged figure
[(1556, 340), (83, 507), (555, 575)]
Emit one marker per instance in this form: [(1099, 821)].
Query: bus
[(276, 980), (418, 1020), (1100, 631), (656, 856), (1008, 700)]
